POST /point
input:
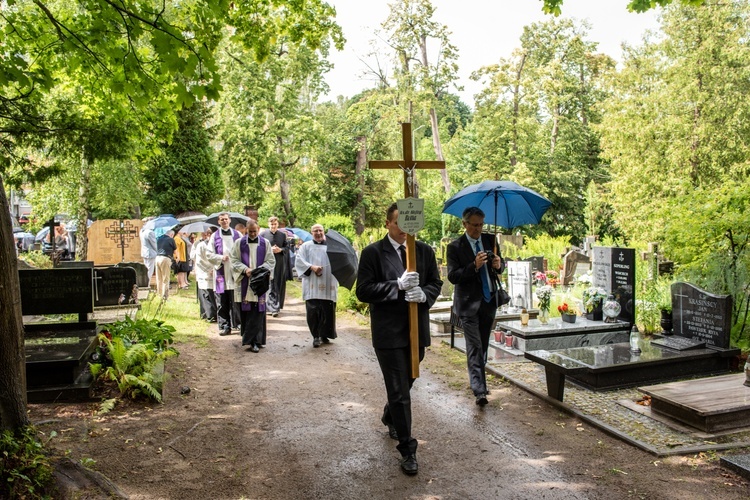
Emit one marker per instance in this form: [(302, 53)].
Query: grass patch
[(182, 311)]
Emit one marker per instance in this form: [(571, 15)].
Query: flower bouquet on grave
[(567, 313), (540, 278), (553, 279), (544, 296), (593, 298)]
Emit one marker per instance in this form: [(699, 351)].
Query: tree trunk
[(84, 191), (12, 356), (555, 132), (284, 189), (359, 168), (439, 149), (516, 111)]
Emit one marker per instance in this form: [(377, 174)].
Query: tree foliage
[(186, 175), (555, 6)]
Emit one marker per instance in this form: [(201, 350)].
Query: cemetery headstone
[(114, 286), (112, 241), (537, 263), (614, 272), (141, 272), (701, 316), (519, 282), (575, 263), (56, 291)]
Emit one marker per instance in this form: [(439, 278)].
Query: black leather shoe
[(316, 342), (225, 332), (409, 464), (254, 348), (482, 399), (326, 340), (391, 429)]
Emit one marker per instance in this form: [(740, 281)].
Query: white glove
[(408, 280), (415, 295)]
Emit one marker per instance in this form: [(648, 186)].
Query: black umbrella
[(342, 257), (234, 219)]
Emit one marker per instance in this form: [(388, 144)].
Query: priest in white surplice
[(249, 253), (319, 287)]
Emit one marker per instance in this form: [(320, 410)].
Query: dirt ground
[(295, 422)]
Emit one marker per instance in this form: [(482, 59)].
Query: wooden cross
[(408, 165), (52, 224)]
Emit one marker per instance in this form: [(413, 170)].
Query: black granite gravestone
[(614, 271), (57, 353), (114, 285), (141, 272), (701, 316), (56, 291)]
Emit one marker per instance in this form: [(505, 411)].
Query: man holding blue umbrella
[(473, 267)]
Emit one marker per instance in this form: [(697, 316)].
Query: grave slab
[(710, 404), (615, 366), (557, 334), (738, 463)]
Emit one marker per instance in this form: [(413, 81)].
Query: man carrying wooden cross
[(384, 283), (399, 278)]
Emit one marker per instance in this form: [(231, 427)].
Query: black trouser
[(321, 318), (396, 367), (253, 329), (207, 302), (477, 335), (228, 314)]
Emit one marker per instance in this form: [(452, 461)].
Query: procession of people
[(241, 280)]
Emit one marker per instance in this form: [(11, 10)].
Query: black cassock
[(276, 294)]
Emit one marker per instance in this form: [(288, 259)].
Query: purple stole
[(219, 247), (260, 257)]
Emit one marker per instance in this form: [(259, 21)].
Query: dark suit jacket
[(379, 268), (467, 294)]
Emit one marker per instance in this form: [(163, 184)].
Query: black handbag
[(260, 280)]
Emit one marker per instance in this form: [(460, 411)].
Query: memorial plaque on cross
[(123, 231), (408, 165)]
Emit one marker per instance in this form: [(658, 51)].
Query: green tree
[(534, 120), (185, 176), (678, 116), (135, 60), (555, 6)]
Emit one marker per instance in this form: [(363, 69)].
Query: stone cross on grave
[(123, 231), (408, 165)]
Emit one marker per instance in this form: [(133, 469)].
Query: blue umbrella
[(164, 221), (504, 203), (300, 233)]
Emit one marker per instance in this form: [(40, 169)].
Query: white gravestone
[(519, 283)]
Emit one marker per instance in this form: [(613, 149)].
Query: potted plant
[(593, 298), (567, 313)]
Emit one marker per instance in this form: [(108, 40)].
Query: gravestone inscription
[(701, 316), (56, 291), (113, 286), (112, 241), (614, 272), (519, 283)]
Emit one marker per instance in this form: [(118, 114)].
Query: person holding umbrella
[(220, 247), (473, 268), (319, 287), (384, 283)]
